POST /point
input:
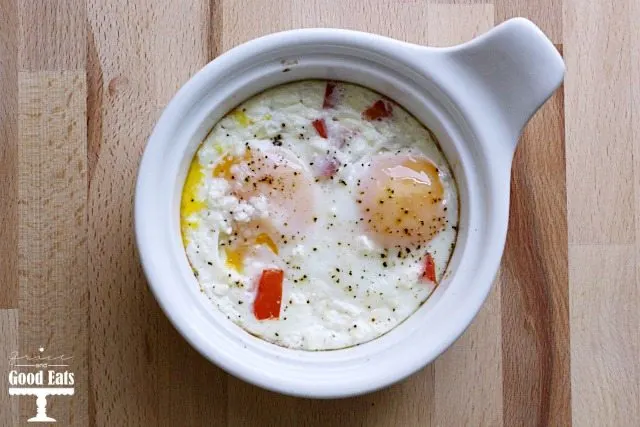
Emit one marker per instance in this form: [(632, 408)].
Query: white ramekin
[(475, 97)]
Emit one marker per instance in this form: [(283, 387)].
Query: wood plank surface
[(535, 291), (604, 335), (9, 154), (123, 317), (81, 86), (602, 211), (52, 246), (9, 330), (52, 35), (598, 122)]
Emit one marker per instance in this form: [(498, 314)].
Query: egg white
[(340, 288)]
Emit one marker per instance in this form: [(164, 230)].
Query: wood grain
[(52, 247), (183, 375), (9, 331), (598, 120), (181, 45), (9, 153), (634, 14), (535, 293), (633, 312), (635, 108), (216, 26), (605, 341), (468, 377), (246, 20), (409, 401), (602, 85), (546, 14), (52, 35), (122, 314), (449, 25)]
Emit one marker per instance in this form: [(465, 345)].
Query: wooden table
[(81, 85)]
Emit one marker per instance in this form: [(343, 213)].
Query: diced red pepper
[(269, 296), (326, 167), (321, 127), (379, 110), (429, 269), (329, 96)]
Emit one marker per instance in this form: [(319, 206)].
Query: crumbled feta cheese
[(218, 187), (220, 289), (243, 212), (260, 204)]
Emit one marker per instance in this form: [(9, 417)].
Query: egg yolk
[(223, 167), (242, 119), (281, 179), (235, 257), (403, 202), (237, 252), (190, 203), (283, 182), (264, 239)]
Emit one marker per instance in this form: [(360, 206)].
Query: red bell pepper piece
[(379, 110), (269, 296), (326, 167), (321, 127), (429, 269), (329, 96)]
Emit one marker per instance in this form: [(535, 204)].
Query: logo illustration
[(43, 378)]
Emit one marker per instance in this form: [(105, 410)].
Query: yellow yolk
[(403, 204), (285, 186), (190, 203), (264, 239), (223, 167), (242, 119), (235, 255)]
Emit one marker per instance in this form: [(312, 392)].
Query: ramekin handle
[(518, 68)]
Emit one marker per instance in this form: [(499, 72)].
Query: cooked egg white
[(340, 189)]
